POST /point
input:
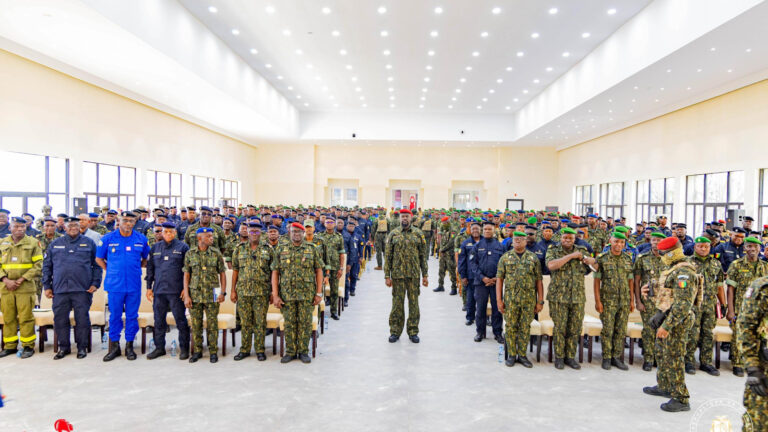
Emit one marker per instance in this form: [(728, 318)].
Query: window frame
[(130, 198), (580, 205), (609, 210), (693, 208), (46, 194), (645, 210), (154, 198)]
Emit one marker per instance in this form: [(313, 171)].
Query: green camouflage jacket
[(405, 254), (253, 266), (296, 266), (567, 283), (520, 274), (614, 272), (204, 268), (333, 248), (712, 272)]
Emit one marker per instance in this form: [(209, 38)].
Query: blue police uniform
[(729, 253), (541, 253), (352, 244), (123, 280), (687, 242), (70, 270), (141, 226), (5, 230), (466, 254), (31, 232), (166, 281), (487, 253)]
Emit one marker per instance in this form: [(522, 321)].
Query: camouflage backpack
[(664, 296)]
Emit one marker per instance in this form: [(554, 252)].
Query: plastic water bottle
[(151, 345), (104, 342), (18, 353), (501, 353), (173, 348)]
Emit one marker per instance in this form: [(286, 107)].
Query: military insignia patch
[(748, 293)]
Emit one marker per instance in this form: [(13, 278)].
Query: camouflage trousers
[(333, 284), (735, 348), (253, 321), (378, 240), (757, 410), (704, 321), (517, 325), (568, 319), (401, 288), (298, 326), (447, 264), (614, 318), (670, 356), (649, 335), (211, 323), (428, 240)]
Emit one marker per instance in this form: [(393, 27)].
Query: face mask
[(672, 257)]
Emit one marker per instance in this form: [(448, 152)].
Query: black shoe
[(334, 316), (439, 289), (464, 308), (346, 303), (7, 352), (708, 368), (572, 363), (690, 369), (414, 338), (287, 358), (305, 358), (214, 358), (675, 405), (499, 339), (559, 364), (61, 354), (619, 364), (453, 291), (469, 322), (184, 354), (393, 338), (352, 293), (268, 332), (479, 337), (510, 361), (238, 328), (195, 357), (523, 360), (606, 364), (655, 391), (725, 346), (261, 356), (241, 355), (81, 353), (157, 352), (647, 366), (27, 352), (130, 354), (114, 351), (739, 372)]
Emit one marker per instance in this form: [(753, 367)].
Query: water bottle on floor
[(151, 345), (501, 353), (173, 348), (18, 353), (104, 342)]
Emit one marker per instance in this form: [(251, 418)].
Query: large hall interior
[(386, 196)]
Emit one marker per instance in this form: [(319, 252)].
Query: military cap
[(445, 219), (71, 219), (567, 230), (206, 208), (749, 218), (308, 223), (168, 225), (329, 219), (112, 212), (297, 226), (406, 211), (532, 220), (752, 240), (658, 234), (713, 233), (702, 240), (5, 211), (49, 219), (93, 215), (191, 208), (351, 221), (682, 225), (128, 214), (469, 220), (28, 214), (18, 219), (61, 215), (277, 216), (564, 220), (519, 234), (172, 207), (203, 230), (739, 230), (668, 243), (618, 235), (273, 227), (255, 225), (592, 215)]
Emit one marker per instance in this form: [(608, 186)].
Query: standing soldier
[(206, 213), (568, 264), (519, 294), (741, 273), (705, 316), (483, 263), (405, 256), (675, 293), (21, 262), (753, 346), (647, 267), (446, 238), (379, 238), (332, 256), (165, 283), (457, 242), (46, 214), (426, 228), (297, 287), (5, 226), (94, 224), (230, 240), (251, 279), (204, 272), (466, 250), (48, 233), (614, 299)]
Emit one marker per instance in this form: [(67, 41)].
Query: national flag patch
[(682, 284)]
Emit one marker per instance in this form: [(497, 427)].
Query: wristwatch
[(223, 293), (318, 295), (541, 302)]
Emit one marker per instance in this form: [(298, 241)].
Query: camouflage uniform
[(297, 266), (332, 249), (670, 351), (598, 238), (426, 226), (741, 273), (204, 268), (753, 338), (460, 237), (44, 243), (380, 225), (520, 274), (447, 261), (190, 238), (566, 299), (648, 266), (17, 260), (254, 277), (405, 256), (151, 239), (705, 315), (231, 241), (101, 229), (615, 273)]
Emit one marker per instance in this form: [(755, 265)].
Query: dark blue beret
[(203, 230), (18, 219), (93, 215)]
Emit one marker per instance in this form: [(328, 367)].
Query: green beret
[(532, 220), (702, 240), (622, 229), (658, 234), (567, 230), (619, 235), (519, 234), (752, 240)]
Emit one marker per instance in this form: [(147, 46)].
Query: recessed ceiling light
[(468, 68), (698, 70), (636, 87), (362, 98), (317, 78), (491, 91), (270, 9), (299, 52), (479, 107), (348, 67), (749, 50), (453, 98), (525, 91), (730, 70), (386, 52), (611, 11), (391, 105), (286, 32), (354, 79), (290, 87), (552, 11), (449, 107), (634, 100), (391, 98), (496, 10), (381, 10), (422, 98), (335, 33), (520, 53), (421, 106), (462, 80), (536, 81), (309, 66), (458, 90), (688, 88), (509, 68), (235, 32), (268, 66), (306, 104), (534, 35), (325, 89), (254, 51), (212, 9), (384, 33), (364, 106), (585, 35), (656, 100), (438, 10), (429, 67), (713, 49), (424, 90), (390, 79), (669, 70), (499, 80), (484, 34), (358, 89), (515, 100), (507, 107), (280, 77), (391, 89), (389, 66), (549, 69), (566, 54), (326, 10), (433, 33), (335, 105), (426, 79), (475, 53), (343, 52)]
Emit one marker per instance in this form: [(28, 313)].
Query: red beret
[(406, 211), (721, 221), (445, 219), (765, 226), (297, 225), (668, 243)]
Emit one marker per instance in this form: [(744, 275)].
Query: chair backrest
[(273, 309), (544, 314), (145, 306), (227, 307), (589, 292), (45, 302), (99, 302)]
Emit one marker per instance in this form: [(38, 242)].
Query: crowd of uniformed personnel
[(679, 284)]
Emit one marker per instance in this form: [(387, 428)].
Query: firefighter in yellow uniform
[(21, 263)]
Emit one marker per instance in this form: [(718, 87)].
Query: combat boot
[(675, 405), (655, 391), (690, 369), (708, 368), (114, 351)]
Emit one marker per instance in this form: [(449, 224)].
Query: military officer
[(483, 263), (230, 240), (46, 213), (647, 267), (379, 238), (732, 249), (353, 244), (204, 272), (70, 277), (447, 263), (206, 213), (251, 282), (21, 261), (94, 224), (405, 257), (614, 299), (465, 253), (48, 233), (109, 220), (154, 235), (753, 346), (165, 283), (519, 294), (297, 287), (333, 255), (5, 226), (30, 231)]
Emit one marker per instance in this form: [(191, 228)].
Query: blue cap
[(276, 216), (206, 208), (5, 211), (545, 222), (203, 230), (18, 219), (330, 219), (273, 227), (28, 214), (112, 212), (254, 225), (469, 219), (565, 220), (592, 215), (128, 214), (168, 225), (93, 215)]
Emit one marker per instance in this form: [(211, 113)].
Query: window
[(203, 191), (110, 185), (584, 200), (346, 197), (229, 192), (163, 188), (350, 197), (655, 197), (612, 200), (762, 209), (710, 196), (30, 181)]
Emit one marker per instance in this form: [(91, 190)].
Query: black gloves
[(657, 320)]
